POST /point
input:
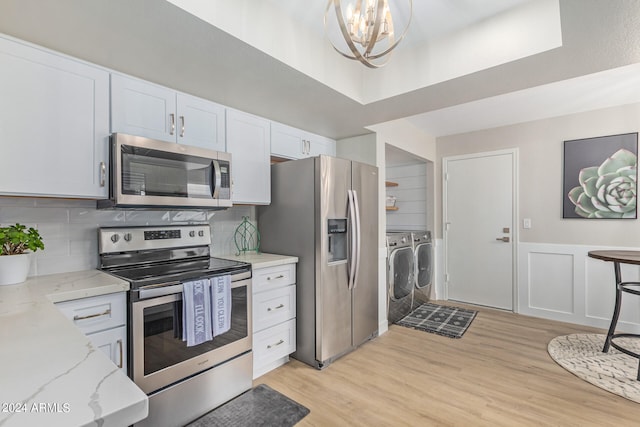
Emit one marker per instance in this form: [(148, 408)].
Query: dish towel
[(221, 304), (196, 312)]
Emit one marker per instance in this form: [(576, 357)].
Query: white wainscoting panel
[(560, 282), (548, 274)]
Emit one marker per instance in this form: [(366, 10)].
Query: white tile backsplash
[(69, 228)]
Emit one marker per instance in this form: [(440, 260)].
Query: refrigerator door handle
[(352, 241), (356, 205)]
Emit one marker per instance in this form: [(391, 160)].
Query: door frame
[(514, 212)]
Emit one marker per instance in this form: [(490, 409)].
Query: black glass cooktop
[(169, 271)]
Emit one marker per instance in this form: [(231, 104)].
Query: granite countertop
[(262, 260), (50, 373)]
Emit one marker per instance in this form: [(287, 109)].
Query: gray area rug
[(443, 320), (261, 406), (614, 371)]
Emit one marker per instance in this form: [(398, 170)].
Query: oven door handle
[(159, 290)]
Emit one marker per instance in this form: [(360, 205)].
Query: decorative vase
[(14, 268)]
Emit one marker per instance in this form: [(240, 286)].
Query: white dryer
[(400, 275), (423, 263)]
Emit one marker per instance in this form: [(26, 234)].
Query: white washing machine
[(400, 275), (423, 262)]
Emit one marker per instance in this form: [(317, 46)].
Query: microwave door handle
[(217, 179)]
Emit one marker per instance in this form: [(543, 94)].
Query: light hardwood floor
[(498, 374)]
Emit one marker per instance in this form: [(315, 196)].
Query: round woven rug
[(616, 372)]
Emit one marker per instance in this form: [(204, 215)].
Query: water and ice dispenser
[(337, 240)]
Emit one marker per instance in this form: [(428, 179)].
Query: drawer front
[(273, 277), (274, 343), (273, 307), (95, 314)]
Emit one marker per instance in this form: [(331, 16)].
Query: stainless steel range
[(183, 382)]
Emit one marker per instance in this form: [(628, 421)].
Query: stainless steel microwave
[(146, 173)]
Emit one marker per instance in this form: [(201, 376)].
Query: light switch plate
[(526, 223)]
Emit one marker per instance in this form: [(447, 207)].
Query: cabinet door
[(248, 141), (200, 123), (143, 109), (54, 124), (286, 141), (320, 145), (113, 343)]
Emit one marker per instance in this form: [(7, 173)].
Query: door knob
[(503, 239)]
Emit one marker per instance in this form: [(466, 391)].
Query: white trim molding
[(561, 282)]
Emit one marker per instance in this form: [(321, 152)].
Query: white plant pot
[(14, 268)]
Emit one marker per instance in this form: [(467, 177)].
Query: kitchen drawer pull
[(182, 127), (281, 276), (277, 307), (173, 123), (121, 355), (276, 344), (91, 316)]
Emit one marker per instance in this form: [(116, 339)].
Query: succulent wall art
[(600, 177)]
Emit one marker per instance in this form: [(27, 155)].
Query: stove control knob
[(115, 238), (127, 237), (201, 233), (192, 234), (403, 240)]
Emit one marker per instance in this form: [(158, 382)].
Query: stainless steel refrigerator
[(324, 210)]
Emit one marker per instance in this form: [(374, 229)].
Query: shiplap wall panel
[(411, 195)]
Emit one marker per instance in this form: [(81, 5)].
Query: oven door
[(149, 173), (159, 356)]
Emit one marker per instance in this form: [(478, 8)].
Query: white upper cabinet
[(54, 124), (145, 109), (291, 143), (200, 123), (248, 141)]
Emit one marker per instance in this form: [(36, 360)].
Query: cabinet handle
[(182, 127), (91, 316), (103, 174), (281, 276), (308, 147), (277, 308), (173, 124), (119, 342), (276, 344)]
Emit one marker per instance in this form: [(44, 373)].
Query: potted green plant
[(17, 242)]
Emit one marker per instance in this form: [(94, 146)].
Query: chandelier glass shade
[(367, 30)]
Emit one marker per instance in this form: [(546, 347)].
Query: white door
[(479, 195)]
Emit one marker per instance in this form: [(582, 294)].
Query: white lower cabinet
[(103, 319), (274, 317)]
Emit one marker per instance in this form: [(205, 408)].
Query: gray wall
[(540, 145)]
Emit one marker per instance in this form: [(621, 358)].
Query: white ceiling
[(230, 62), (435, 19), (431, 18)]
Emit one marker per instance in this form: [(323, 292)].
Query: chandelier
[(366, 28)]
